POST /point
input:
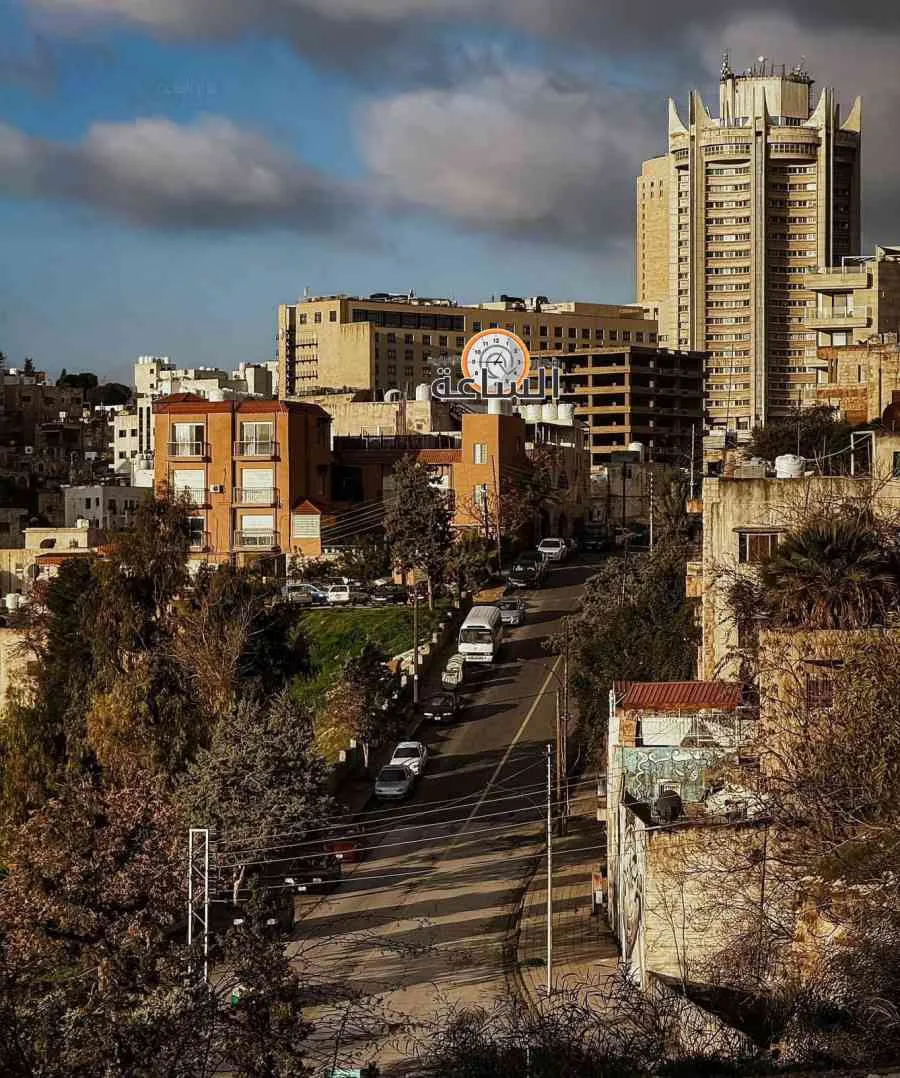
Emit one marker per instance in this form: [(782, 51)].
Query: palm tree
[(832, 573)]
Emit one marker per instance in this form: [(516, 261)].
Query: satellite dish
[(760, 59)]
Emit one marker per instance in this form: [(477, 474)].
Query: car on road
[(594, 541), (553, 549), (346, 840), (388, 595), (442, 707), (315, 873), (360, 595), (339, 595), (411, 754), (528, 571), (512, 610), (273, 911), (304, 594), (454, 673), (394, 783)]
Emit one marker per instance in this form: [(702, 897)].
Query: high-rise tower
[(731, 220)]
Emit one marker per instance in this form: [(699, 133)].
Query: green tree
[(635, 625), (813, 432), (473, 559), (417, 523), (362, 695), (260, 777), (366, 559), (832, 573)]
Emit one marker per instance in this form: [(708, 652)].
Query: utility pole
[(564, 744), (549, 872), (415, 640), (497, 501), (560, 738), (651, 505), (198, 891), (693, 439)]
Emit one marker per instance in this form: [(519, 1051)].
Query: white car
[(411, 754), (338, 594), (553, 549), (394, 782)]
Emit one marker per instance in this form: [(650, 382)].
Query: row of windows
[(402, 320), (302, 317)]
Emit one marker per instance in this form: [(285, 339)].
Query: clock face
[(500, 353)]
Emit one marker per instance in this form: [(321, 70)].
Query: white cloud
[(211, 174), (518, 152)]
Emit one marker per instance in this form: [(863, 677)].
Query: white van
[(339, 595), (481, 634)]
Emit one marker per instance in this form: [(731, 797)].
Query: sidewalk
[(584, 951)]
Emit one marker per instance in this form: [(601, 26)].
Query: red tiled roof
[(308, 507), (678, 695)]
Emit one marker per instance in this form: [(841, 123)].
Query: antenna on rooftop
[(726, 65)]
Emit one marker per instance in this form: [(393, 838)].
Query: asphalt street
[(426, 922)]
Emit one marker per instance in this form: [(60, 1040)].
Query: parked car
[(304, 594), (594, 541), (553, 549), (275, 910), (442, 707), (339, 595), (512, 610), (394, 782), (347, 841), (411, 754), (388, 594), (529, 571), (454, 673), (360, 595), (315, 873)]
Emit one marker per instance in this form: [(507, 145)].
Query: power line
[(386, 816)]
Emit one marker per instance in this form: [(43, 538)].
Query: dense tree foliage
[(635, 625), (417, 523), (814, 433)]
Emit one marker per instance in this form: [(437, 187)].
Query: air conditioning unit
[(217, 488)]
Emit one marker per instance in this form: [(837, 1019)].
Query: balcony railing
[(188, 449), (259, 447), (822, 318), (195, 496), (256, 540), (255, 496)]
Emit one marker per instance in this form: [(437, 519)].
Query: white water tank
[(496, 406), (789, 466), (636, 447), (423, 392), (13, 601), (567, 414), (82, 522), (533, 413), (550, 412), (391, 396), (215, 395)]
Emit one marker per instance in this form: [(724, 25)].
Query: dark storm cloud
[(155, 173)]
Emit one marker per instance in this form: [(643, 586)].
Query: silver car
[(512, 610), (411, 754), (394, 782)]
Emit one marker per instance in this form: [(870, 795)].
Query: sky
[(171, 170)]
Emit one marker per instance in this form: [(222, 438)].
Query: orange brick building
[(256, 472)]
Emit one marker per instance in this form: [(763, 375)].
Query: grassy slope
[(335, 636)]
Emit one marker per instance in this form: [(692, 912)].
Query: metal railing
[(839, 317), (258, 447), (193, 495), (255, 540), (185, 448), (200, 541), (255, 495)]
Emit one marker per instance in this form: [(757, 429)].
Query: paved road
[(427, 921)]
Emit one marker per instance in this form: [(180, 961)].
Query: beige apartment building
[(856, 300), (732, 222), (397, 342)]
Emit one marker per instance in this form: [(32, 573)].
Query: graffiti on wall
[(645, 768)]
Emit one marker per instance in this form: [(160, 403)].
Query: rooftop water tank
[(423, 392), (215, 395), (496, 406), (392, 395), (13, 601), (789, 466), (636, 447), (567, 414), (550, 412), (533, 413)]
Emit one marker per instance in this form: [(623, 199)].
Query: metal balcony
[(823, 318), (259, 449), (255, 496), (185, 450), (256, 540), (192, 496)]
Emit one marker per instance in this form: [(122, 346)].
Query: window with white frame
[(481, 452), (305, 526)]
